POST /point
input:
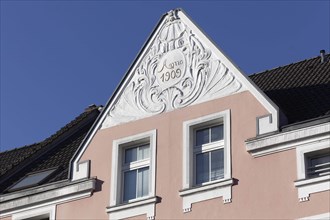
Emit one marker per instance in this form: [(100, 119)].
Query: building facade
[(187, 135)]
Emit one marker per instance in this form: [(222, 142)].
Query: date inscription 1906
[(170, 69)]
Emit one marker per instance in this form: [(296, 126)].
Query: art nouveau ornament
[(176, 70), (170, 69)]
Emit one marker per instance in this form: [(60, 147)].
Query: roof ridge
[(68, 126), (19, 148), (38, 149), (59, 132), (294, 63)]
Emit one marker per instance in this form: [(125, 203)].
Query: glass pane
[(129, 185), (202, 168), (143, 182), (217, 133), (217, 164), (319, 166), (202, 136), (130, 155), (32, 179), (143, 152), (320, 160)]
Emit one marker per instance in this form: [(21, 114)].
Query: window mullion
[(210, 165), (207, 147), (137, 183), (136, 165)]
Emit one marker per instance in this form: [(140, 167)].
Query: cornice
[(287, 140), (50, 194)]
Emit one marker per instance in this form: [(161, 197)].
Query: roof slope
[(55, 151), (301, 90)]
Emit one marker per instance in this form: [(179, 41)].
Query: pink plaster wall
[(265, 185), (6, 218)]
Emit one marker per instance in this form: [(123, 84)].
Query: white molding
[(70, 192), (307, 186), (177, 70), (191, 195), (207, 187), (33, 190), (314, 185), (301, 150), (264, 124), (141, 207), (210, 191), (82, 170), (287, 140), (324, 216), (115, 184), (48, 211), (311, 181), (54, 202), (224, 116)]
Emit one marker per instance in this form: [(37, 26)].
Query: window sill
[(138, 207), (312, 185), (210, 191)]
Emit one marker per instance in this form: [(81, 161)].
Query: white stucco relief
[(176, 70)]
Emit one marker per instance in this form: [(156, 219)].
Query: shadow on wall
[(98, 185), (302, 103)]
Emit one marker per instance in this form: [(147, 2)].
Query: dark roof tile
[(55, 151), (301, 90)]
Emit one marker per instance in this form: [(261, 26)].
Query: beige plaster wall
[(265, 185), (6, 218)]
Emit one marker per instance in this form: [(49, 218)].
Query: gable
[(177, 69), (179, 66)]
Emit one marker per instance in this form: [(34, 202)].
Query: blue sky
[(58, 57)]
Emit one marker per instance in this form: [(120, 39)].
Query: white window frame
[(42, 212), (305, 185), (139, 164), (324, 216), (137, 206), (213, 189), (205, 148)]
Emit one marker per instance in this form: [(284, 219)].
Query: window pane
[(129, 185), (320, 160), (217, 133), (217, 164), (143, 182), (32, 179), (130, 155), (319, 165), (202, 136), (143, 152), (202, 168)]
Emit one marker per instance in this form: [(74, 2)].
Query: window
[(318, 163), (133, 173), (32, 179), (43, 213), (208, 154), (206, 159), (313, 168), (136, 172), (40, 217), (324, 216)]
